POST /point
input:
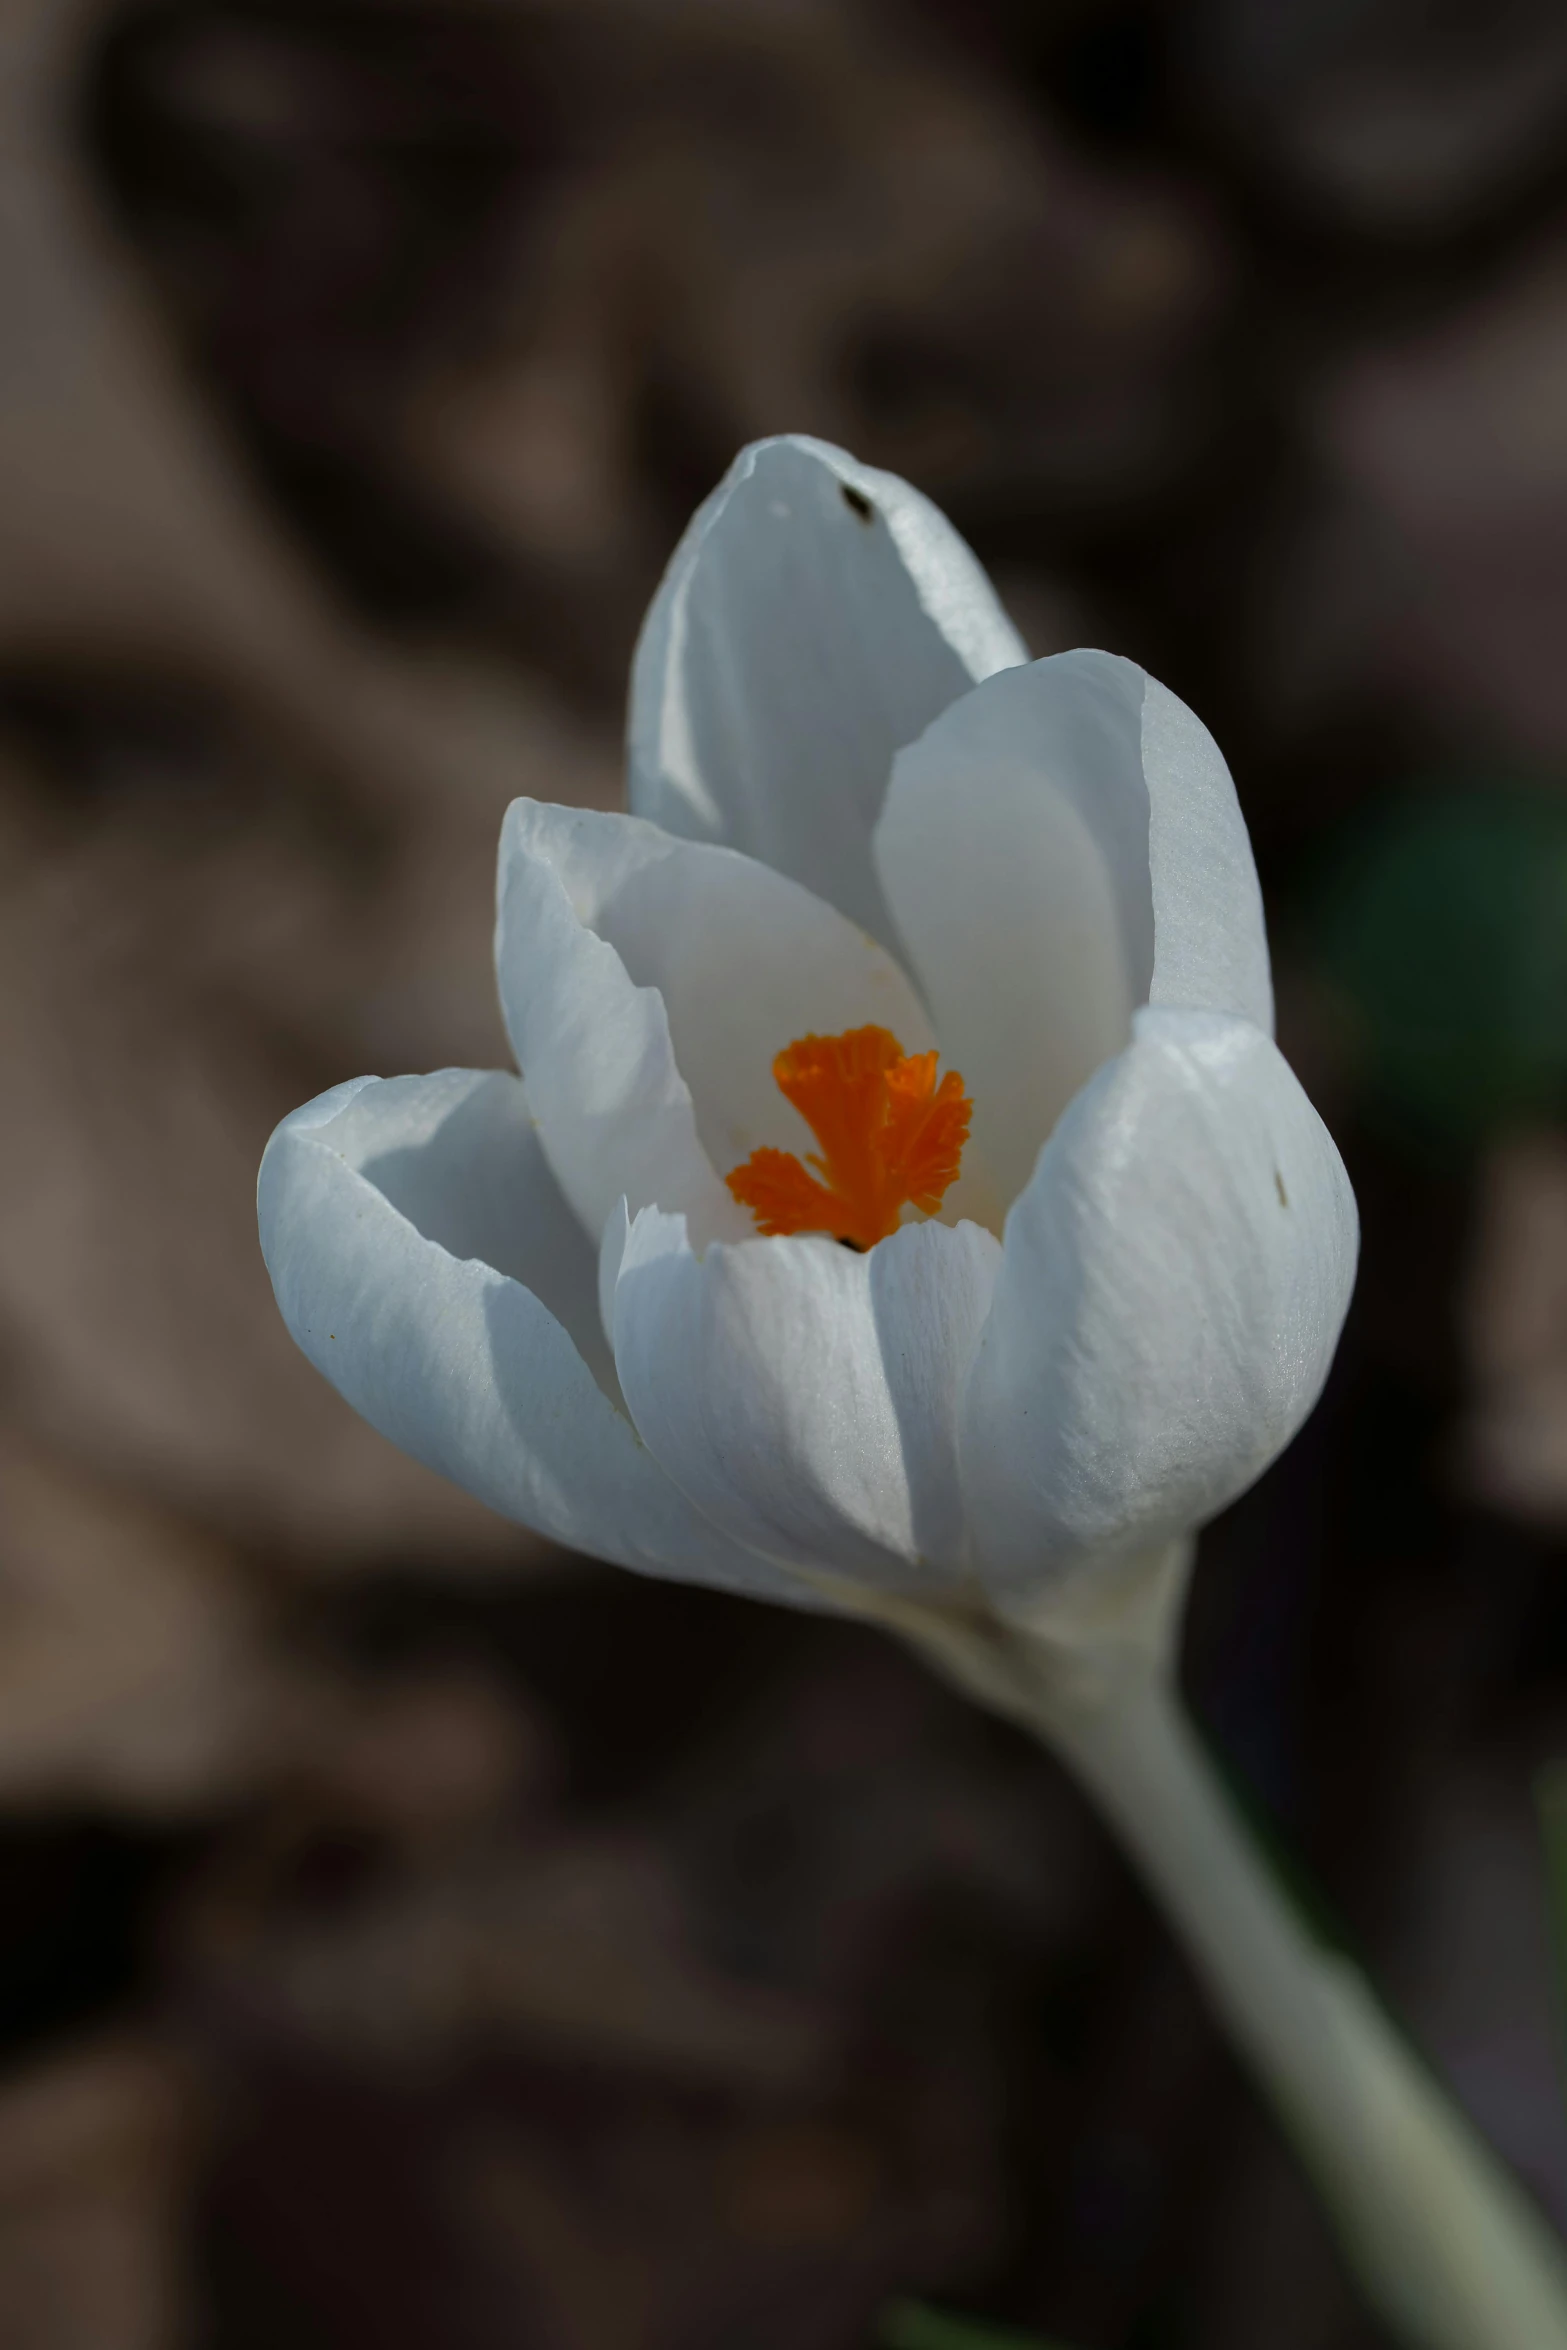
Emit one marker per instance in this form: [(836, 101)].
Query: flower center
[(889, 1133)]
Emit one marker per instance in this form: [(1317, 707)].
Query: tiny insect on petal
[(890, 1136)]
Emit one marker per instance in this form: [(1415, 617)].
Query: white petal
[(1174, 1282), (414, 1233), (804, 1396), (1014, 853), (742, 962), (1060, 846), (1210, 939), (816, 615), (612, 1250), (614, 1112)]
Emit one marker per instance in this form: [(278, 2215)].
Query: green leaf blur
[(1442, 935), (911, 2325)]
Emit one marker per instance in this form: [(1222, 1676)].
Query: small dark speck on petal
[(1284, 1197), (857, 502), (332, 1334)]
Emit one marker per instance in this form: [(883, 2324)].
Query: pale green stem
[(1448, 2247)]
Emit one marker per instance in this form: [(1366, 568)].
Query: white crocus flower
[(916, 945), (857, 806)]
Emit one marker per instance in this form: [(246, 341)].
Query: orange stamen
[(889, 1133)]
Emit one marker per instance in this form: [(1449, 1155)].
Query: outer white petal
[(1060, 846), (805, 1397), (1175, 1278), (1210, 939), (816, 615), (648, 983), (425, 1261)]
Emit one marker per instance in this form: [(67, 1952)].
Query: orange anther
[(889, 1135)]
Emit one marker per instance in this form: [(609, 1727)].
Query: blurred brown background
[(413, 1940)]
